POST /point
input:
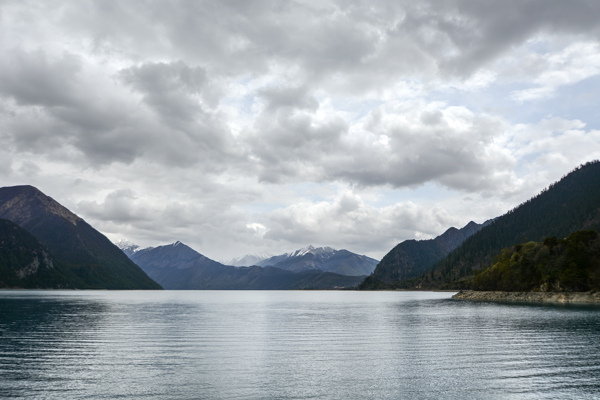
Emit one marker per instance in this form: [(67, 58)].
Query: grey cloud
[(33, 79), (120, 205), (348, 222), (181, 96), (348, 46), (288, 97), (456, 150), (169, 89), (292, 144), (55, 105)]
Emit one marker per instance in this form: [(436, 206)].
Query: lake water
[(292, 345)]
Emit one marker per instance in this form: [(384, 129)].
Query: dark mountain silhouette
[(412, 258), (82, 250)]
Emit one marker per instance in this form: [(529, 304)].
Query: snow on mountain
[(127, 247), (325, 259)]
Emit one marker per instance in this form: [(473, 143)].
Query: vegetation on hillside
[(26, 264), (571, 264)]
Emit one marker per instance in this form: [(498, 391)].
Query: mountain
[(26, 264), (177, 266), (411, 258), (567, 206), (247, 260), (83, 251), (325, 259)]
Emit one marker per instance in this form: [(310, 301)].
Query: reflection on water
[(292, 345)]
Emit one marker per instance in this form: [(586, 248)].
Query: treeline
[(571, 264)]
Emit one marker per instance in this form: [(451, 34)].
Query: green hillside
[(570, 264)]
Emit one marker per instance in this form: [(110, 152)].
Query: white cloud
[(568, 66)]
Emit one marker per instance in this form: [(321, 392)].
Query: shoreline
[(531, 297)]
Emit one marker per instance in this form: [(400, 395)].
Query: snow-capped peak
[(125, 244), (311, 250), (127, 247)]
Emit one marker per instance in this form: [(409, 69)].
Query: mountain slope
[(177, 266), (411, 258), (567, 206), (325, 259), (571, 264), (26, 264), (84, 251)]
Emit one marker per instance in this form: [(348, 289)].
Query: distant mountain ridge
[(325, 259), (411, 258), (83, 251), (247, 260), (177, 266)]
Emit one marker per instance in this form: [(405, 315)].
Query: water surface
[(292, 345)]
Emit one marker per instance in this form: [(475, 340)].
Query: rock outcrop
[(531, 297)]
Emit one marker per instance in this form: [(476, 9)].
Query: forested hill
[(26, 264), (569, 205), (411, 258), (571, 264)]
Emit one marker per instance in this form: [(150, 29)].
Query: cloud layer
[(264, 125)]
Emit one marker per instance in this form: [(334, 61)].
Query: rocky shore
[(531, 297)]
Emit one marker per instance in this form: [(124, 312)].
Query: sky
[(242, 127)]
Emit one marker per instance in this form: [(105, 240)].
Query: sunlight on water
[(292, 345)]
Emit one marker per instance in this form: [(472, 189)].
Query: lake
[(292, 345)]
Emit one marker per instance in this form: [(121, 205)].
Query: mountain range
[(44, 245), (326, 259), (84, 257), (177, 266)]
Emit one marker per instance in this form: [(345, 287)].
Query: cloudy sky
[(265, 126)]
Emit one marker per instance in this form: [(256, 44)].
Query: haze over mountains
[(247, 260)]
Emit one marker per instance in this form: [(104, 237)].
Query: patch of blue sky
[(577, 101)]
